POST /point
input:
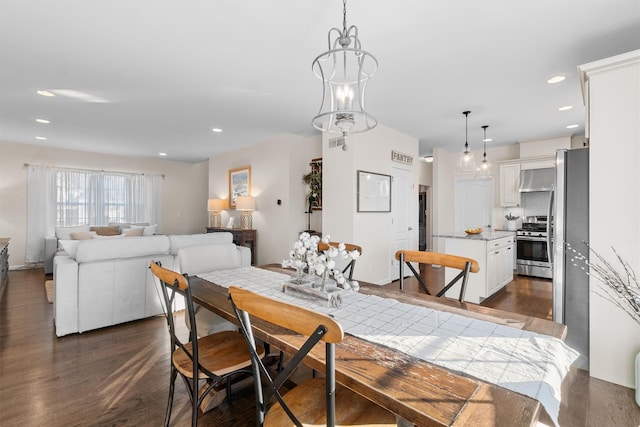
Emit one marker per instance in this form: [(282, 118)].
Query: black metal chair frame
[(273, 384), (464, 275), (169, 292)]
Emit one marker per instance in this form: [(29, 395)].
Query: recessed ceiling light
[(162, 154), (565, 108), (487, 140), (428, 159), (216, 130), (45, 93), (45, 121), (41, 138), (572, 126), (556, 79)]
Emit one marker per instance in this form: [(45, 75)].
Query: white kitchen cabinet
[(509, 183), (494, 253), (499, 264)]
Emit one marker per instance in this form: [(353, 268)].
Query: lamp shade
[(245, 203), (215, 205)]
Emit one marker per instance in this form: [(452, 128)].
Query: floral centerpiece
[(302, 251), (305, 256)]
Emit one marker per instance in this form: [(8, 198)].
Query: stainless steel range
[(533, 242)]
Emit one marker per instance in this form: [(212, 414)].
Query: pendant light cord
[(484, 140), (466, 131)]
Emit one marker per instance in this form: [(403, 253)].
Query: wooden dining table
[(418, 392)]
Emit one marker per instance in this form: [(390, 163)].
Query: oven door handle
[(533, 239)]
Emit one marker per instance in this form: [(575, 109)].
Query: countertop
[(485, 235)]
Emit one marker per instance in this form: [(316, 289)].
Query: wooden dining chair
[(214, 358), (465, 265), (317, 401), (349, 247)]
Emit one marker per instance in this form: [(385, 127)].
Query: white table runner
[(522, 361)]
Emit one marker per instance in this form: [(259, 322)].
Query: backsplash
[(535, 203)]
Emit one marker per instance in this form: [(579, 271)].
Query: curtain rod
[(89, 170)]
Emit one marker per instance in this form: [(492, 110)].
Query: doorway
[(424, 218), (401, 229)]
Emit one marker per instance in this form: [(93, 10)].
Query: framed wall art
[(239, 184), (374, 192)]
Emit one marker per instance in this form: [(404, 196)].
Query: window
[(69, 197), (97, 197)]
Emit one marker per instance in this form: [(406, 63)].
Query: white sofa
[(104, 282)]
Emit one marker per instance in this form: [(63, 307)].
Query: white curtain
[(69, 197), (41, 211)]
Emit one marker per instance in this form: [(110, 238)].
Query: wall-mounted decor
[(314, 181), (239, 184), (374, 192)]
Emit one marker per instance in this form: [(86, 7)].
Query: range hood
[(537, 180)]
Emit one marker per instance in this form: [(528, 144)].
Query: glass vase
[(300, 277)]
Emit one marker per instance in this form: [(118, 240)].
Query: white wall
[(614, 208), (184, 188), (277, 168), (369, 151)]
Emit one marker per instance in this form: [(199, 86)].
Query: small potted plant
[(511, 221)]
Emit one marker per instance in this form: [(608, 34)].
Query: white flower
[(326, 239), (355, 285), (331, 264), (354, 254)]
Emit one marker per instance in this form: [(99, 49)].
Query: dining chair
[(317, 401), (465, 265), (348, 247), (213, 358)]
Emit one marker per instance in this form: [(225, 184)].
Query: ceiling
[(155, 76)]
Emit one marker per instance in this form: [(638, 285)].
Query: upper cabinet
[(509, 183), (510, 177)]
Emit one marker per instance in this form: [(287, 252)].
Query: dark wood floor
[(118, 376)]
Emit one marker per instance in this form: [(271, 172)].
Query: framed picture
[(239, 184), (374, 192)]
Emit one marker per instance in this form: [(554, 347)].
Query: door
[(473, 203), (400, 220)]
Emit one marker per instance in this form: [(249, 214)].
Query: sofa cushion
[(64, 233), (179, 241), (205, 258), (106, 231), (116, 248)]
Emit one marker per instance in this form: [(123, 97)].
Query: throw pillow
[(82, 235), (150, 230), (132, 232), (64, 233), (70, 247), (106, 231)]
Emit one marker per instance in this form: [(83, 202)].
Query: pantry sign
[(401, 158)]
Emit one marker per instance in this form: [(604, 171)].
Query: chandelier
[(466, 161), (344, 70)]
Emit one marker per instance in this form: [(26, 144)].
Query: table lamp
[(214, 206), (246, 204)]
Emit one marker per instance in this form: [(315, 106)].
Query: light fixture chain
[(344, 17)]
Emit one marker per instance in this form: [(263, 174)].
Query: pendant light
[(466, 161), (344, 70), (485, 167)]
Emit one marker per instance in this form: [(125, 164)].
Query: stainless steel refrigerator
[(571, 230)]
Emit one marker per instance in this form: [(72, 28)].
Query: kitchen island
[(493, 250)]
